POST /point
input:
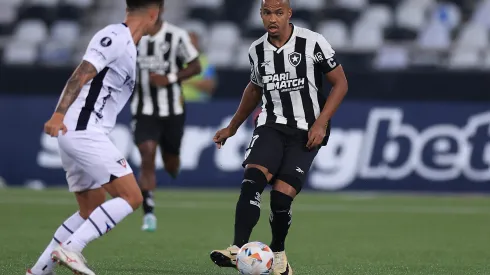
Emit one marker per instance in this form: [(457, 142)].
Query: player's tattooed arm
[(82, 74)]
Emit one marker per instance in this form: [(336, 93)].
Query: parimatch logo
[(283, 82)]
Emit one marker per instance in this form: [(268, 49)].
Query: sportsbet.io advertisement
[(373, 146)]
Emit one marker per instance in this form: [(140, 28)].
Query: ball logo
[(106, 42)]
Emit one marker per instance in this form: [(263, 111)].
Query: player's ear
[(290, 13)]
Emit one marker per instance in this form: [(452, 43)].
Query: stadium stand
[(380, 34)]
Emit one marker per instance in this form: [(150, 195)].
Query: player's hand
[(55, 125), (222, 135), (316, 134), (159, 80)]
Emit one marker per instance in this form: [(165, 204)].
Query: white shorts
[(90, 160)]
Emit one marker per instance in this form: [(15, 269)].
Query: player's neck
[(283, 37), (136, 27), (156, 28)]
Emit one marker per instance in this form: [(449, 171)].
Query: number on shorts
[(254, 139)]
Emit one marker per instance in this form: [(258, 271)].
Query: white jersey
[(113, 53), (164, 53)]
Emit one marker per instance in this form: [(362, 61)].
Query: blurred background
[(416, 117)]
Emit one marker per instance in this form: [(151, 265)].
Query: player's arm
[(208, 83), (326, 62), (101, 51), (81, 76), (250, 99), (187, 53)]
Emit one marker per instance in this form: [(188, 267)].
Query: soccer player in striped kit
[(166, 57), (288, 65)]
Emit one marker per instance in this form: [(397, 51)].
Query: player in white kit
[(86, 112)]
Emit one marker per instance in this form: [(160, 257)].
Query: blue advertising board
[(432, 146)]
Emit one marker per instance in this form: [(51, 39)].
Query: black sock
[(148, 203), (280, 219), (248, 207)]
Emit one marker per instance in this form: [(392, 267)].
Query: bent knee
[(135, 199), (264, 170)]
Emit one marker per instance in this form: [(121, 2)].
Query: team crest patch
[(294, 58), (165, 47), (122, 162)]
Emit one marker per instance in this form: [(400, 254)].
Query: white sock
[(44, 264), (101, 221)]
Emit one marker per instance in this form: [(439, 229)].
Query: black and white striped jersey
[(164, 53), (291, 77)]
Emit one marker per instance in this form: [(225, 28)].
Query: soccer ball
[(255, 258)]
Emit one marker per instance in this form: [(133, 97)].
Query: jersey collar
[(289, 43)]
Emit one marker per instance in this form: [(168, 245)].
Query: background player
[(288, 64), (200, 88), (86, 112), (158, 104)]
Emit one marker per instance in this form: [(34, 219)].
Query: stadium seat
[(200, 28), (81, 4), (12, 3), (464, 59), (391, 58), (448, 14), (65, 32), (312, 5), (254, 19), (55, 54), (211, 4), (19, 53), (486, 62), (351, 4), (31, 31), (301, 23), (380, 15), (481, 12), (473, 36), (242, 61), (8, 14), (223, 35), (335, 32), (366, 37), (436, 36), (410, 16), (221, 58)]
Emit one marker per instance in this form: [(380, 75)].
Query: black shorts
[(166, 131), (282, 150)]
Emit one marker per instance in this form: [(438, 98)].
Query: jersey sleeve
[(254, 76), (186, 51), (104, 48), (324, 55)]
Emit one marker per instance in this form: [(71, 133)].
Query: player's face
[(275, 16), (153, 16)]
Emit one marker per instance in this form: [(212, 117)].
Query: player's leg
[(87, 200), (289, 182), (147, 132), (263, 159), (170, 142), (99, 158)]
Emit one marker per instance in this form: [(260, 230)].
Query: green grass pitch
[(331, 233)]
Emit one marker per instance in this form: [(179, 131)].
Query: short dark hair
[(138, 4)]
